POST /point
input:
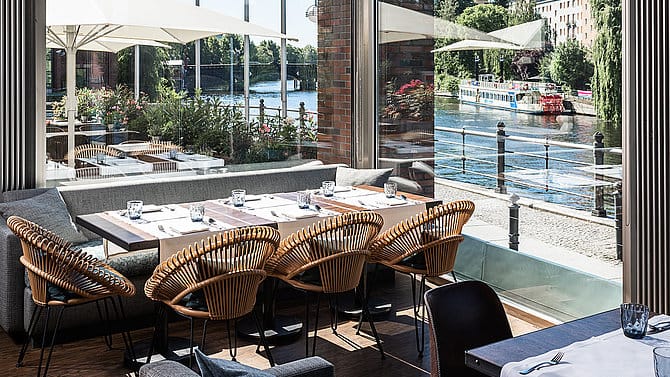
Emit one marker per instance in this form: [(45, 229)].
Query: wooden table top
[(489, 359), (132, 239)]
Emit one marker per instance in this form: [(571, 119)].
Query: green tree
[(484, 17), (570, 65), (606, 82), (523, 11), (152, 61), (450, 9)]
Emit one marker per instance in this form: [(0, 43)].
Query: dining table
[(591, 346), (168, 228)]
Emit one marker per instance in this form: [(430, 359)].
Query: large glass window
[(482, 101), (173, 126)]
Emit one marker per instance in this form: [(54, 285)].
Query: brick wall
[(334, 78)]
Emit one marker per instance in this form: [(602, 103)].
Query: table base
[(177, 350), (283, 330)]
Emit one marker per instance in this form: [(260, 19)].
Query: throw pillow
[(355, 177), (211, 367), (47, 210)]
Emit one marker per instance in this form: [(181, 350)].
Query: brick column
[(334, 78)]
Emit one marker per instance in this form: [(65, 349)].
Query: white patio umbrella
[(401, 24), (110, 44), (472, 44), (71, 24), (526, 36)]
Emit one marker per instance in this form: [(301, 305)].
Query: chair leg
[(108, 335), (261, 334), (53, 340), (232, 341), (419, 308), (204, 335), (44, 340), (34, 318), (453, 275), (316, 322), (121, 317), (306, 324), (190, 343), (365, 311), (159, 318)]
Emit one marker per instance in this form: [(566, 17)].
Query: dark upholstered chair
[(462, 316)]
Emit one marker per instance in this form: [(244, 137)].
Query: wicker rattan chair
[(62, 277), (424, 245), (329, 258), (216, 279), (91, 150)]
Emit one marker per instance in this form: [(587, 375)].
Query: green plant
[(413, 100)]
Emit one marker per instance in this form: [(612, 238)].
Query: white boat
[(521, 96)]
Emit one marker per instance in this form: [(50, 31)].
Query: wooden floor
[(352, 355)]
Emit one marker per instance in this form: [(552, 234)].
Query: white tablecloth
[(607, 355)]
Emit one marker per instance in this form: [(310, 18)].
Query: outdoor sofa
[(16, 303), (309, 367)]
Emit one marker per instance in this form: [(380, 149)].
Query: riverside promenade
[(552, 232)]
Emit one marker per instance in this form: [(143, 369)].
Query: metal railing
[(501, 151)]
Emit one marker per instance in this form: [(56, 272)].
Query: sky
[(267, 14)]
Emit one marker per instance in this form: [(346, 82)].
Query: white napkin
[(298, 213), (610, 354), (186, 227)]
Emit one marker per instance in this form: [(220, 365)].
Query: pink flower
[(264, 128)]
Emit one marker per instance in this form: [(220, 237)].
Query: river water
[(450, 113)]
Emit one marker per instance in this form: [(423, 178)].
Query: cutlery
[(162, 229), (555, 360), (403, 197), (214, 224), (659, 327), (317, 208), (275, 214)]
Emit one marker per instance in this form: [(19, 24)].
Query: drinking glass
[(197, 211), (100, 158), (304, 199), (134, 209), (634, 320), (390, 189), (662, 361), (173, 154), (237, 197), (328, 188)]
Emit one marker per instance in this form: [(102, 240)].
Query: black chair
[(462, 316)]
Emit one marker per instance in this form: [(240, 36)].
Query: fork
[(554, 360)]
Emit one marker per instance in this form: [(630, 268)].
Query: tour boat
[(521, 96)]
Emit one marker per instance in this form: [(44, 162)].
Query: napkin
[(189, 227), (299, 213)]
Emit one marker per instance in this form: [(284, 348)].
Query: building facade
[(568, 19)]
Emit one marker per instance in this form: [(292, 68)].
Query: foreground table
[(490, 359)]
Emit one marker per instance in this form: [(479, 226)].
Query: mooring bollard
[(618, 221), (598, 191), (514, 222), (500, 188)]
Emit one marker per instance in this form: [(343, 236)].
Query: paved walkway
[(565, 236)]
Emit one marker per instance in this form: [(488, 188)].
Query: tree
[(151, 68), (606, 82), (523, 11), (450, 9), (570, 65), (484, 17)]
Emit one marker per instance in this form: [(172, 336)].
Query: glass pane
[(173, 129)]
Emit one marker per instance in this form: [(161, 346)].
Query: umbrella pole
[(137, 72), (71, 104)]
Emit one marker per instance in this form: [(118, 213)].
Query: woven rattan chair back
[(337, 246), (435, 233), (228, 268), (91, 150), (50, 260)]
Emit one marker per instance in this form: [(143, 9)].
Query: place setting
[(641, 347)]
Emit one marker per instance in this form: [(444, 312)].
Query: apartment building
[(568, 19)]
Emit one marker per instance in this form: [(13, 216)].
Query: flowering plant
[(413, 100)]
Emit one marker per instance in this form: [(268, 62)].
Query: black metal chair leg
[(232, 341), (422, 290), (316, 322), (130, 348), (34, 318), (44, 339), (453, 275), (190, 343), (374, 330), (108, 335), (159, 317), (416, 302), (53, 340), (306, 324), (261, 334), (204, 335)]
